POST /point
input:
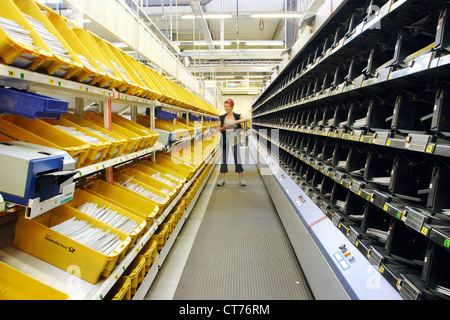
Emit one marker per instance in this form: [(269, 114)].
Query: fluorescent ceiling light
[(286, 14), (207, 16), (204, 43), (265, 43)]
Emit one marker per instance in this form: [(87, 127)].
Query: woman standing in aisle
[(230, 126)]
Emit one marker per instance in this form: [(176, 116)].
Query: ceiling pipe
[(198, 12)]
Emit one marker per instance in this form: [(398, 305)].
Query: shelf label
[(11, 74), (447, 243), (424, 231)]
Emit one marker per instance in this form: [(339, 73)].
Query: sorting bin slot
[(341, 115), (440, 123), (376, 223), (405, 245), (435, 272), (355, 207), (379, 115), (441, 43), (378, 168), (310, 171), (339, 196), (318, 147), (438, 199), (356, 160), (357, 116), (413, 114), (411, 175), (418, 39), (327, 150), (317, 180), (339, 159), (327, 187)]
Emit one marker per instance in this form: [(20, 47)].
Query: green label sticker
[(447, 243)]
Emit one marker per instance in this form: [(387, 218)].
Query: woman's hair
[(230, 102)]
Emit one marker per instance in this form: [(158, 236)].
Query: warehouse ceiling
[(224, 42)]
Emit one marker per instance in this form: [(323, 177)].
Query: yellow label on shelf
[(359, 192), (385, 207), (356, 243), (11, 74), (388, 143), (381, 269), (51, 81), (424, 231), (430, 149)]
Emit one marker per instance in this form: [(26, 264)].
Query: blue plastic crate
[(194, 118), (31, 105), (160, 114)]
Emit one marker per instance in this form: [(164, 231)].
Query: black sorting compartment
[(440, 124), (341, 115), (435, 272), (339, 76), (380, 114), (380, 58), (356, 67), (416, 40), (310, 145), (310, 173), (438, 197), (340, 153), (413, 113), (379, 167), (406, 245), (317, 180), (304, 143), (327, 187), (318, 148), (411, 177), (339, 196), (355, 208), (356, 160), (328, 116), (357, 116), (327, 151), (303, 170), (376, 223)]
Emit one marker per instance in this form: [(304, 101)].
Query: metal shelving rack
[(75, 287), (365, 59)]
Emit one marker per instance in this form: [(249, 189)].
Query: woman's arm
[(221, 127), (243, 120)]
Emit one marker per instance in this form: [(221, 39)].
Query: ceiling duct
[(203, 26)]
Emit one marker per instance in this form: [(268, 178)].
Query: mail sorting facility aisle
[(238, 249)]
